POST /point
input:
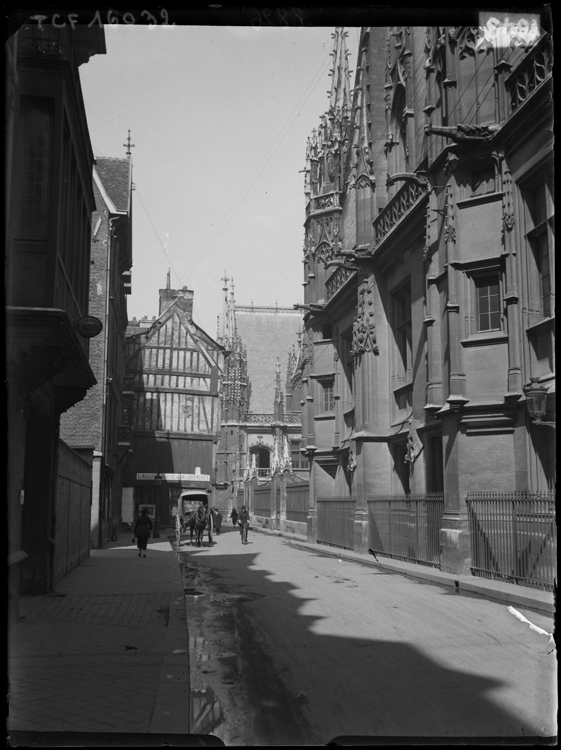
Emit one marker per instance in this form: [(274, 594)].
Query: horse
[(197, 525), (189, 523)]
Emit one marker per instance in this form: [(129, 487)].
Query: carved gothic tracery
[(508, 208), (450, 223), (364, 329)]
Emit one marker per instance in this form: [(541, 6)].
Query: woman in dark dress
[(142, 530)]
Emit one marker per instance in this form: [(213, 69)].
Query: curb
[(508, 593)]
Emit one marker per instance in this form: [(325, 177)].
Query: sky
[(219, 118)]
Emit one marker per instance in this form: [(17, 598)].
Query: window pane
[(538, 205), (488, 303)]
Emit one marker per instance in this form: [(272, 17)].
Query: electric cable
[(262, 164)]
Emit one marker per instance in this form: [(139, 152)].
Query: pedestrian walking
[(234, 516), (217, 521), (142, 531)]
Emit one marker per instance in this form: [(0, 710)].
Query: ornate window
[(401, 308)]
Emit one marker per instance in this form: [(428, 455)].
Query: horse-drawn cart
[(189, 518)]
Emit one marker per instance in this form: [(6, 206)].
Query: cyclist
[(244, 523)]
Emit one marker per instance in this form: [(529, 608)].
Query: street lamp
[(536, 395), (158, 479)]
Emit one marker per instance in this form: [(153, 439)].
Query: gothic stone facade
[(429, 269)]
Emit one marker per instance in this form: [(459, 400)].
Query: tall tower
[(325, 155), (233, 399)]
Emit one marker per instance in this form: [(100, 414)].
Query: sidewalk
[(107, 651), (507, 593)]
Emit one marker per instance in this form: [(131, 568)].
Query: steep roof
[(267, 333), (115, 175)]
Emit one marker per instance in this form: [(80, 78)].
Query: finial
[(129, 145), (225, 279)]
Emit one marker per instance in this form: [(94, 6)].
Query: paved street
[(107, 651), (290, 646)]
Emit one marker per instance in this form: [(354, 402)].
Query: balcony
[(271, 419), (337, 280), (530, 74), (326, 202), (408, 196)]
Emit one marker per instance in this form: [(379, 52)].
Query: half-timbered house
[(172, 385)]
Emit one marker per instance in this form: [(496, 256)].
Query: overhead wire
[(251, 181), (262, 164)]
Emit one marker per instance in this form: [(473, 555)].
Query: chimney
[(182, 297), (185, 301)]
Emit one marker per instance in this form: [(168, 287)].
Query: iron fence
[(514, 537), (297, 502), (335, 517), (262, 501), (406, 526)]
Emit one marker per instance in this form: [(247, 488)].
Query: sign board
[(177, 477), (89, 327)]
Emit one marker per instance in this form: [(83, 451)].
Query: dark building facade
[(429, 281), (49, 206), (172, 408), (96, 420)]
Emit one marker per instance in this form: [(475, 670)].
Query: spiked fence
[(514, 537)]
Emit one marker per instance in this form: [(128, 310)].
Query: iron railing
[(514, 537), (406, 526), (532, 71), (297, 502), (337, 280), (392, 214), (335, 519), (262, 501)]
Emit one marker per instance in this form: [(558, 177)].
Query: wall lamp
[(536, 395)]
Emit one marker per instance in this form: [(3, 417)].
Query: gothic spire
[(340, 94)]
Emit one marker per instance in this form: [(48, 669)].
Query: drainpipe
[(109, 244)]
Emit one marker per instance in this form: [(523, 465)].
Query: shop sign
[(176, 477)]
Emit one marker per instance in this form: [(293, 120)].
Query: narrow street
[(293, 647)]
